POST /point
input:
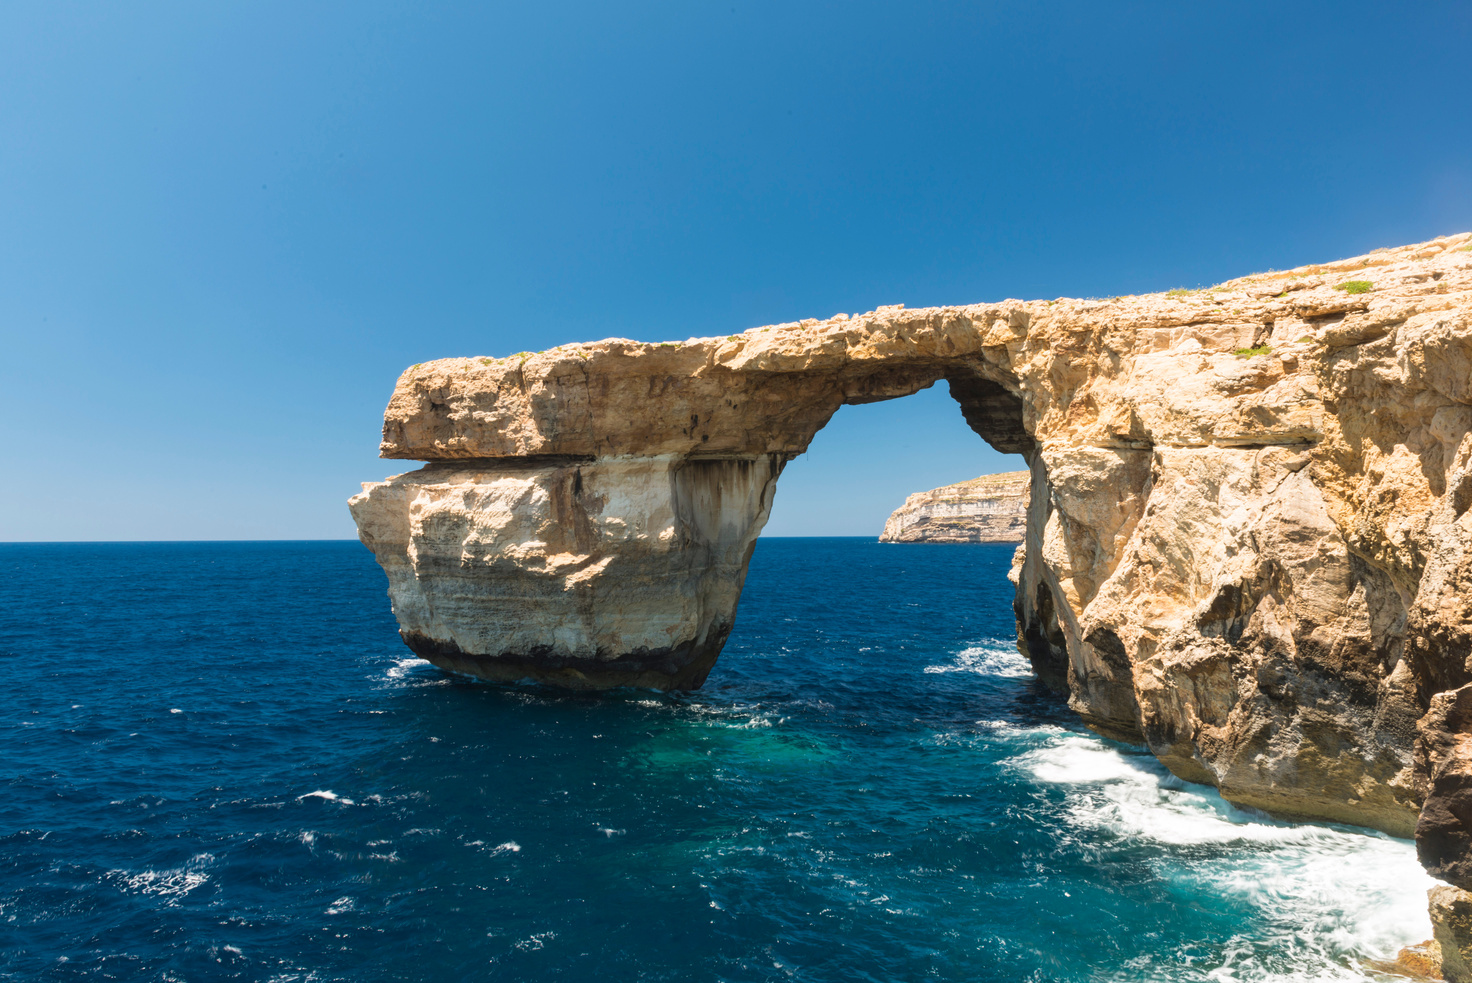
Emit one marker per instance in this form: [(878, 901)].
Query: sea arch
[(588, 513), (1245, 542)]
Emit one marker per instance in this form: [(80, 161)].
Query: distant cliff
[(989, 509)]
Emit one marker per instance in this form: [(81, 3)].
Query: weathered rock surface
[(1421, 961), (988, 509), (1444, 769), (619, 572), (1451, 923), (1248, 531)]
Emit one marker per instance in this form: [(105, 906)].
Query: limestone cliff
[(1248, 536), (988, 509)]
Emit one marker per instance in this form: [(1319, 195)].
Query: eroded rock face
[(988, 509), (1247, 534), (1451, 922), (1444, 770), (584, 574)]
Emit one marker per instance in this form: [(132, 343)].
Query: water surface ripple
[(219, 762)]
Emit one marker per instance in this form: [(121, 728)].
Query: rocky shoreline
[(1248, 536)]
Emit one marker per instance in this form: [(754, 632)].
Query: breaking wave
[(1321, 900), (993, 658)]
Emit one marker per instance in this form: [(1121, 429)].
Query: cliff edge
[(988, 509)]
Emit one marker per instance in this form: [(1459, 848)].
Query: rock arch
[(589, 512), (1248, 541)]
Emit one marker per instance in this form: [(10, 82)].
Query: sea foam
[(992, 658), (1325, 897)]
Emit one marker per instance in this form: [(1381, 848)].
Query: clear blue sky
[(226, 227)]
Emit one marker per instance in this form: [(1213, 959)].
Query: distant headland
[(988, 509)]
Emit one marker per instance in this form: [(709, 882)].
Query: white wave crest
[(327, 795), (401, 667), (994, 658), (173, 882)]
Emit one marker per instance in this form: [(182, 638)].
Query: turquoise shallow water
[(220, 763)]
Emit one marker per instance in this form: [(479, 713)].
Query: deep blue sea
[(220, 763)]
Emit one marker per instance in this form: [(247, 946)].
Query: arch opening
[(871, 455)]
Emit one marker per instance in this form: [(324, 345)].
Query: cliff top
[(1009, 484), (1315, 287), (715, 396)]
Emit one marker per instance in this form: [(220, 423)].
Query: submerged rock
[(1248, 541), (989, 509)]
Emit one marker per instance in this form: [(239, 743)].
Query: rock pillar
[(581, 574)]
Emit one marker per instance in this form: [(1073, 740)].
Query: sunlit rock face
[(584, 574), (1451, 920), (1247, 534), (988, 509)]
